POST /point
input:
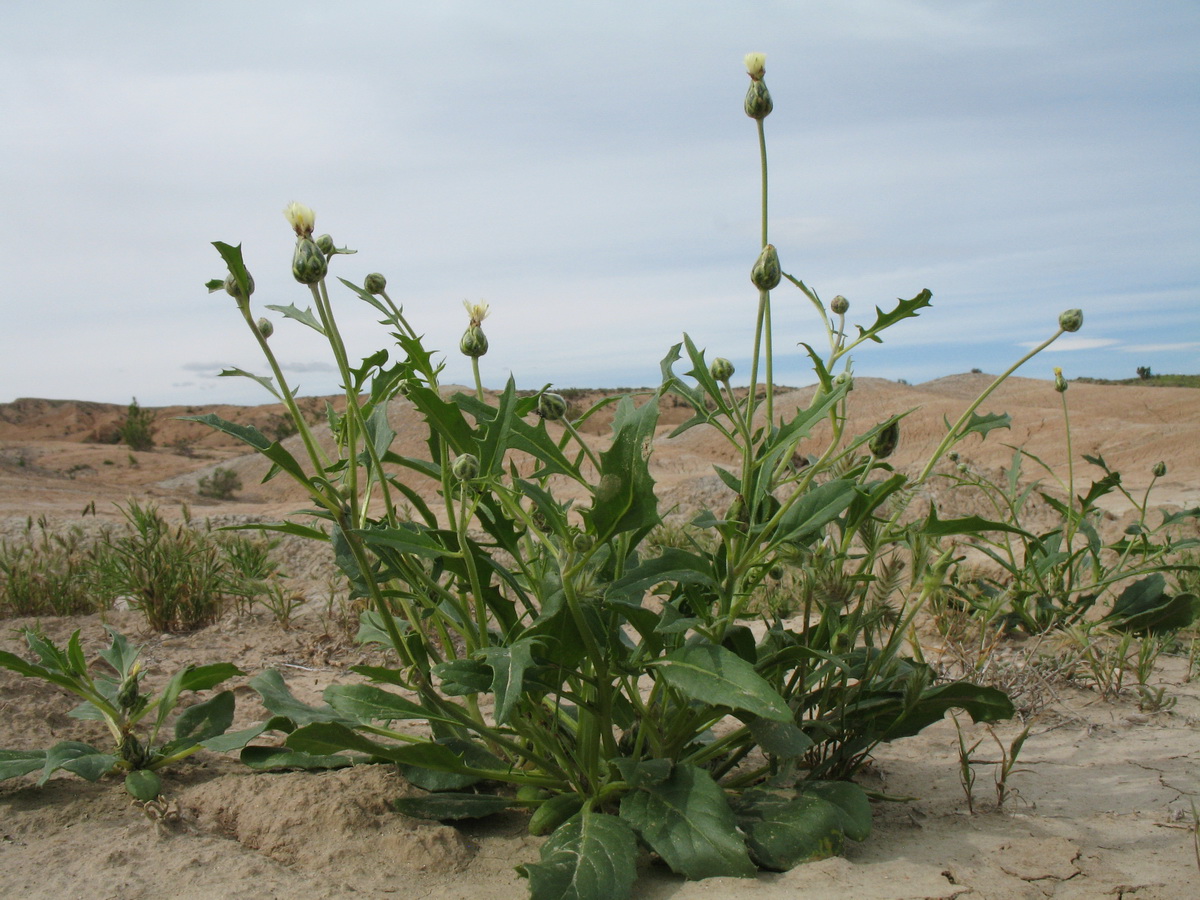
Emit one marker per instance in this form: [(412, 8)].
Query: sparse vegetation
[(222, 484), (137, 428)]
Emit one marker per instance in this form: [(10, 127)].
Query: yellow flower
[(477, 311), (756, 65), (301, 218)]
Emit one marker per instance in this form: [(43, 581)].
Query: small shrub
[(137, 430), (44, 574), (222, 484)]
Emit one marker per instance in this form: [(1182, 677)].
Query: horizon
[(591, 174)]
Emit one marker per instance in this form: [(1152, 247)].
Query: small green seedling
[(135, 719)]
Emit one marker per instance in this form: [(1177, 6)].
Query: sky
[(587, 169)]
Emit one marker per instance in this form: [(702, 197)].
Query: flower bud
[(758, 104), (766, 273), (477, 311), (1160, 469), (127, 694), (308, 262), (844, 378), (721, 369), (1060, 383), (755, 65), (1071, 320), (465, 467), (885, 442), (234, 290), (301, 218), (582, 542), (265, 327), (474, 342), (552, 406), (839, 305), (325, 243), (375, 283)]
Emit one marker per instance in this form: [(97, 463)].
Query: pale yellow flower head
[(756, 65), (301, 218), (477, 311)]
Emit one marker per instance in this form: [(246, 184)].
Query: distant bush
[(222, 484), (138, 428), (1143, 372)]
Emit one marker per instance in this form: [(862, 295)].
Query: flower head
[(756, 65), (301, 218), (477, 311)]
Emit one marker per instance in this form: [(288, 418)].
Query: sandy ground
[(1103, 792)]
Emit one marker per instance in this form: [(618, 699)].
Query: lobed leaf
[(589, 857)]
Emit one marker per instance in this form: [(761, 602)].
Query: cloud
[(1160, 348), (1071, 343)]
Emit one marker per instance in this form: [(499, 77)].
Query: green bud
[(1060, 383), (844, 378), (474, 342), (465, 467), (721, 369), (234, 291), (766, 273), (552, 406), (1071, 320), (325, 244), (308, 262), (839, 305), (758, 103), (885, 442), (1159, 470), (265, 327), (375, 283), (127, 695), (582, 542)]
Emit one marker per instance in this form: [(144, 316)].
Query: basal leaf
[(686, 820), (82, 759), (450, 807), (368, 703), (589, 857), (274, 759), (719, 677), (785, 828), (1145, 606), (206, 720), (14, 763), (278, 699), (143, 785)]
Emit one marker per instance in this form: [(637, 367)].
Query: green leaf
[(450, 807), (983, 704), (368, 703), (981, 425), (265, 381), (201, 678), (509, 665), (591, 856), (935, 527), (251, 436), (233, 740), (464, 676), (673, 566), (237, 268), (472, 755), (687, 821), (274, 759), (784, 740), (206, 720), (1146, 607), (82, 759), (14, 763), (624, 499), (854, 809), (718, 677), (816, 509), (323, 738), (278, 699), (304, 316), (784, 829), (904, 309), (143, 785)]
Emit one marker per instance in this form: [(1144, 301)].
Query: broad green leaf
[(30, 670), (981, 425), (848, 798), (274, 759), (14, 763), (201, 678), (464, 676), (324, 738), (804, 519), (406, 537), (237, 268), (591, 856), (935, 527), (142, 784), (784, 740), (784, 829), (673, 566), (1145, 606), (368, 703), (82, 759), (473, 755), (278, 699), (509, 665), (206, 720), (248, 434), (624, 499), (263, 380), (983, 704), (904, 309), (719, 677), (687, 821), (449, 807), (234, 740)]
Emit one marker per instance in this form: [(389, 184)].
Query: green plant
[(137, 428), (222, 484), (135, 719), (46, 573), (605, 672), (173, 575)]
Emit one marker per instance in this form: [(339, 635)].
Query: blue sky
[(587, 169)]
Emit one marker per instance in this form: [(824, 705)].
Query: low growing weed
[(576, 660)]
